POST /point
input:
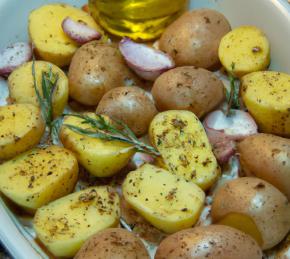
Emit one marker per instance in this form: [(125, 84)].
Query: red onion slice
[(79, 31), (147, 62), (13, 56)]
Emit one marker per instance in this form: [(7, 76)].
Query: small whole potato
[(194, 38), (188, 88), (268, 157), (95, 69), (130, 105), (113, 243), (212, 242), (255, 207)]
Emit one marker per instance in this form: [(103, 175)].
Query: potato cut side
[(267, 96), (21, 85), (180, 138), (101, 158), (168, 202), (47, 35), (21, 128), (247, 47), (39, 176), (65, 224)]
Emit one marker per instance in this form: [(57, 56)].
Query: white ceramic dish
[(272, 16)]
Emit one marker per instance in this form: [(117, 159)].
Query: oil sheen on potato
[(137, 19)]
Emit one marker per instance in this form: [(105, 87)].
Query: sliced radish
[(13, 56), (79, 31), (147, 62)]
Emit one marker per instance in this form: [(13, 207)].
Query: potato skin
[(46, 33), (212, 242), (267, 157), (113, 243), (130, 105), (188, 88), (21, 85), (193, 39), (21, 128), (95, 69), (261, 201)]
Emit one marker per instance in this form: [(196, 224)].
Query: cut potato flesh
[(39, 176), (169, 203), (65, 224)]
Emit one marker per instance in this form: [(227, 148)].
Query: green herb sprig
[(105, 130)]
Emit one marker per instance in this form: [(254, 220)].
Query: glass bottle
[(137, 19)]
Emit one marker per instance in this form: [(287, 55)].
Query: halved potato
[(255, 207), (46, 33), (101, 158), (169, 203), (21, 128), (21, 85), (266, 94), (39, 176), (180, 138), (65, 224)]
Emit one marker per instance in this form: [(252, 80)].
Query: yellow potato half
[(247, 47), (46, 33), (39, 176), (101, 158), (21, 85), (65, 224), (266, 94), (180, 138), (169, 203), (21, 128)]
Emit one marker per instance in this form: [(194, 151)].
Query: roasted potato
[(101, 158), (244, 50), (255, 207), (21, 85), (21, 128), (113, 243), (188, 88), (284, 251), (39, 176), (212, 242), (194, 38), (182, 142), (267, 157), (47, 35), (65, 224), (95, 69), (266, 95), (130, 105), (169, 203)]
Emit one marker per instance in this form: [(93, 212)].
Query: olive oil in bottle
[(137, 19)]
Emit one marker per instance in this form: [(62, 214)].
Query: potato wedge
[(21, 128), (168, 202), (266, 95), (180, 138), (100, 157), (247, 47), (39, 176), (65, 224), (46, 33), (21, 85)]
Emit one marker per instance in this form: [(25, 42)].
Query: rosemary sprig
[(103, 129), (233, 95)]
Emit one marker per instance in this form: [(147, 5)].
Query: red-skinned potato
[(113, 243), (188, 88), (211, 242), (267, 157), (255, 207), (193, 39), (130, 105)]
